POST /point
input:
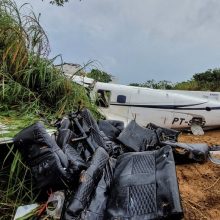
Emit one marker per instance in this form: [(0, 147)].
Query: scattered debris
[(197, 129), (214, 156), (26, 211), (97, 164), (55, 204), (185, 152)]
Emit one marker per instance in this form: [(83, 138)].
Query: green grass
[(16, 186), (15, 122), (30, 86), (29, 81)]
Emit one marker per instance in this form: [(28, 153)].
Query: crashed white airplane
[(167, 108)]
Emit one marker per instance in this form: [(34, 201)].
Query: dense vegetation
[(99, 75), (29, 80), (30, 85), (205, 81)]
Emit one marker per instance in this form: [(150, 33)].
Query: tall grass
[(15, 184), (29, 84), (29, 80)]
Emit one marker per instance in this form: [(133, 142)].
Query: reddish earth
[(199, 184)]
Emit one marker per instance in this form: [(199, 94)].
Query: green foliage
[(190, 85), (29, 81), (58, 2), (20, 35), (16, 186), (154, 84), (208, 80), (29, 84), (99, 76), (16, 121), (205, 81)]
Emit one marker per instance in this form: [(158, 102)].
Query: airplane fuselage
[(168, 108), (171, 109)]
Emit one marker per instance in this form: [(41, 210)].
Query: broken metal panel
[(187, 152), (214, 155), (197, 129)]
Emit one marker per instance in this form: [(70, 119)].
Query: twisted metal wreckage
[(108, 171)]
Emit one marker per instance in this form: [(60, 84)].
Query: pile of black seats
[(108, 171)]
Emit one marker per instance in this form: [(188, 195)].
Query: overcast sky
[(135, 40)]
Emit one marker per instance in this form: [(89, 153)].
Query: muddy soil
[(199, 184)]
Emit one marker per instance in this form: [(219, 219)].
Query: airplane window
[(103, 98), (121, 99)]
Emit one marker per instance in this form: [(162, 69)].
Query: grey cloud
[(136, 40)]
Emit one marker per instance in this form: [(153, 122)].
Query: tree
[(100, 76), (58, 2), (205, 81), (208, 80)]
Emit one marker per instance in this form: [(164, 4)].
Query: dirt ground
[(199, 184)]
